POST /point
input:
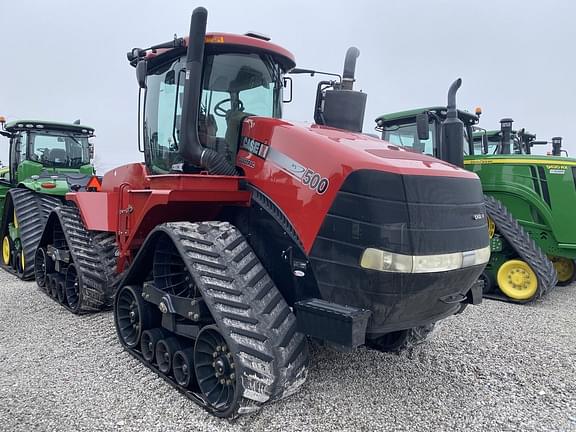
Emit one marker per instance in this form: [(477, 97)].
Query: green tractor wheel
[(565, 269)]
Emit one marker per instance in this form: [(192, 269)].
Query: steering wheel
[(221, 112)]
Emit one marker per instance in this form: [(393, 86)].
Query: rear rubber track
[(249, 310), (92, 253), (525, 247), (32, 210)]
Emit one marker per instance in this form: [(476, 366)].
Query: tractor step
[(341, 325)]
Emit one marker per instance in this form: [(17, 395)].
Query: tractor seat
[(57, 155)]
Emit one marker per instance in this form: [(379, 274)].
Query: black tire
[(401, 340)]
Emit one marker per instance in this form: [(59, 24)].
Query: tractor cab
[(421, 130), (40, 148), (242, 76), (504, 141)]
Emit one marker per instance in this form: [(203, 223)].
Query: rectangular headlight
[(377, 259)]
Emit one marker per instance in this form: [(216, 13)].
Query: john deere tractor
[(47, 160), (529, 199)]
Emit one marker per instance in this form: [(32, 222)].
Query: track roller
[(72, 290), (149, 340), (43, 266), (165, 349), (183, 367)]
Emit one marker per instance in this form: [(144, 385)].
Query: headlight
[(381, 260)]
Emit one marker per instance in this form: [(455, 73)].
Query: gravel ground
[(495, 367)]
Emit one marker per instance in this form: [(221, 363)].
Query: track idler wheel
[(148, 342), (183, 366), (7, 250), (165, 349), (517, 280), (72, 290), (43, 266), (565, 269), (215, 368), (132, 315)]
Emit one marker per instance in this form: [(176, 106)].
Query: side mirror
[(141, 73), (422, 127), (91, 150), (287, 84)]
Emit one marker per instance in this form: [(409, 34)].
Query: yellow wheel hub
[(517, 280), (491, 227), (6, 252), (15, 220), (564, 268), (22, 262)]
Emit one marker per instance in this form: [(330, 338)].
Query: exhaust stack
[(337, 104), (350, 68), (557, 146), (452, 143), (505, 135), (190, 147)]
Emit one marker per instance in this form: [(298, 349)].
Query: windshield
[(407, 136), (234, 86), (58, 149)]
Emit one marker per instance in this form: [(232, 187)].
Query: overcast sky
[(66, 59)]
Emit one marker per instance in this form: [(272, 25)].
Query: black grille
[(413, 215)]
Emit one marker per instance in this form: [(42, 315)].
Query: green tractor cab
[(47, 160), (529, 199)]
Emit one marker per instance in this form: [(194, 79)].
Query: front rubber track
[(248, 309), (524, 246), (93, 255), (32, 210)]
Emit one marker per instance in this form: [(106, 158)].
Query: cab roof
[(397, 117), (18, 125), (227, 41)]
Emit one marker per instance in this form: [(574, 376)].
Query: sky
[(64, 60)]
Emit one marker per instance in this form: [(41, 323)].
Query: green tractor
[(529, 199), (47, 160)]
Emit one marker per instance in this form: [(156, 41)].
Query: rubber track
[(247, 307), (523, 245), (32, 210), (92, 263)]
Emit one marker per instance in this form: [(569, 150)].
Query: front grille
[(412, 215)]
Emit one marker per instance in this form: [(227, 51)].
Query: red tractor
[(243, 234)]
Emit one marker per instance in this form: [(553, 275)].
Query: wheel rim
[(72, 288), (6, 250), (40, 267), (564, 268), (22, 261), (517, 280), (15, 220), (491, 227), (182, 367), (128, 320), (215, 368)]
